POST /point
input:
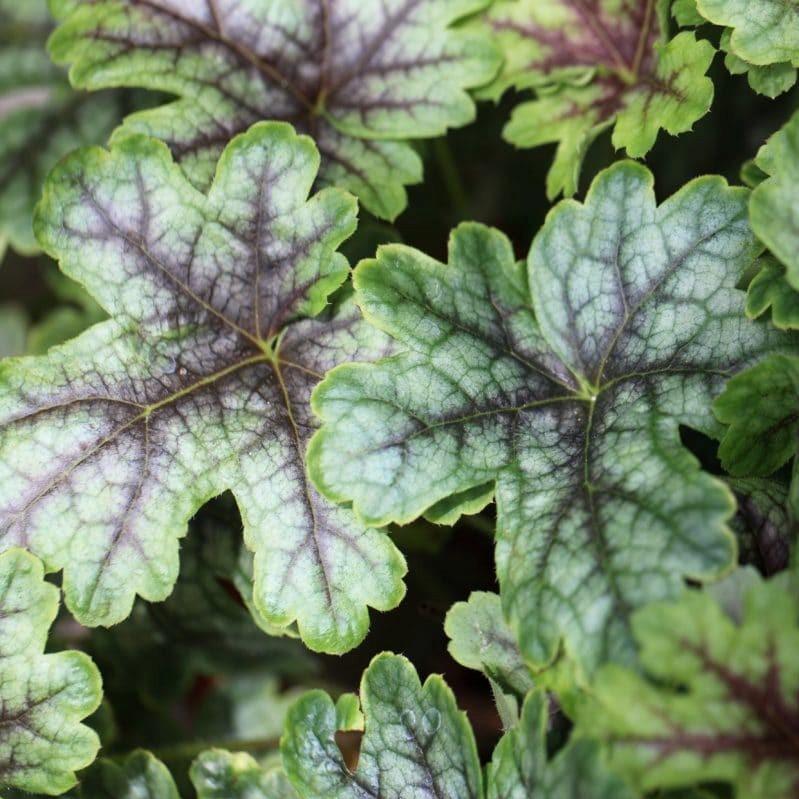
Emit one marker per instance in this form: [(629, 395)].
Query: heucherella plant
[(361, 76), (257, 385), (566, 388), (595, 65)]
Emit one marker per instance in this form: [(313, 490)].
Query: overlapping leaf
[(359, 75), (723, 701), (761, 407), (770, 289), (198, 384), (520, 768), (42, 697), (565, 383), (763, 31), (594, 65), (416, 741), (41, 118)]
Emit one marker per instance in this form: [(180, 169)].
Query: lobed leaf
[(565, 382), (416, 741), (43, 698), (361, 76), (770, 289), (198, 384), (596, 65), (763, 31), (719, 703)]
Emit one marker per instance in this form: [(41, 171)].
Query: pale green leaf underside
[(41, 118), (43, 698), (416, 741), (763, 31), (520, 768), (361, 76), (770, 80), (593, 66), (722, 702), (199, 384), (567, 392)]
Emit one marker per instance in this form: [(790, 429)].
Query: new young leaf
[(358, 75), (594, 65), (42, 697), (417, 743), (41, 118), (770, 289), (723, 702), (564, 382), (198, 384), (481, 639)]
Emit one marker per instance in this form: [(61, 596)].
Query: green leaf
[(771, 289), (763, 31), (686, 13), (566, 388), (361, 76), (764, 526), (198, 384), (139, 776), (481, 639), (217, 774), (773, 203), (761, 407), (41, 118), (520, 768), (593, 66), (416, 740), (720, 700), (771, 80), (42, 697)]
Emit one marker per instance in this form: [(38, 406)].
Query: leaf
[(566, 388), (198, 384), (763, 524), (41, 118), (773, 202), (771, 289), (481, 639), (761, 407), (217, 774), (42, 697), (593, 66), (763, 31), (520, 768), (686, 13), (720, 700), (139, 776), (416, 740), (770, 80), (361, 76)]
